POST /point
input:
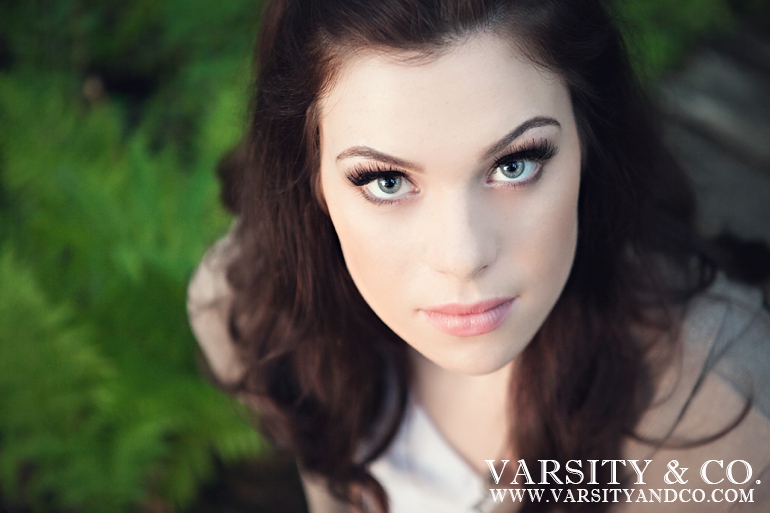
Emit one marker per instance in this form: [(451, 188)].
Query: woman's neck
[(471, 412)]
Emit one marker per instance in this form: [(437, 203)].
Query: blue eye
[(389, 184), (523, 165), (382, 185), (514, 171), (388, 187)]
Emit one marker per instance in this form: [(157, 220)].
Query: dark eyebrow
[(370, 153), (514, 134)]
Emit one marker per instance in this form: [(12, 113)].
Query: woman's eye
[(388, 187), (515, 171)]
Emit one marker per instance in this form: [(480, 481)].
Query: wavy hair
[(321, 365)]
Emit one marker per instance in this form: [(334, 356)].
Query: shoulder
[(209, 298), (728, 327), (713, 402), (724, 340)]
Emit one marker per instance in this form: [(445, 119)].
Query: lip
[(461, 320)]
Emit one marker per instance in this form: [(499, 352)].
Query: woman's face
[(452, 184)]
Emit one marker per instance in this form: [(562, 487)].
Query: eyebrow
[(372, 154), (517, 132)]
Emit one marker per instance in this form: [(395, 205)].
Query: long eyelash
[(363, 174), (538, 151)]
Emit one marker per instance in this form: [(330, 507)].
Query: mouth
[(461, 320)]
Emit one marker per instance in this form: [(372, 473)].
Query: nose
[(460, 235)]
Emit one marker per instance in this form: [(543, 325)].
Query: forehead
[(469, 94)]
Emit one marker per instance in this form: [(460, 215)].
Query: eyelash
[(534, 151), (364, 174), (538, 152)]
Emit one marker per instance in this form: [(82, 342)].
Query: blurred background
[(113, 116)]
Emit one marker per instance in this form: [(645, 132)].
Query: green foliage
[(139, 38), (76, 435), (660, 33), (102, 407), (54, 385)]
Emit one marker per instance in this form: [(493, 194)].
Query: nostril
[(464, 261)]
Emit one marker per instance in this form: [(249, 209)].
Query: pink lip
[(469, 320)]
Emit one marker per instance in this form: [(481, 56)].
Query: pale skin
[(473, 162)]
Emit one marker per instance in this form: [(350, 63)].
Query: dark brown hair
[(320, 363)]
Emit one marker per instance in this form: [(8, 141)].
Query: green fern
[(112, 413)]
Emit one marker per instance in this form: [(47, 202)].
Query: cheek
[(553, 240), (540, 246), (368, 255), (380, 271), (376, 252)]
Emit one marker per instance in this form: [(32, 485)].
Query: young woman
[(460, 242)]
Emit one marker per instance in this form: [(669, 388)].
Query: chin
[(478, 361), (480, 368)]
